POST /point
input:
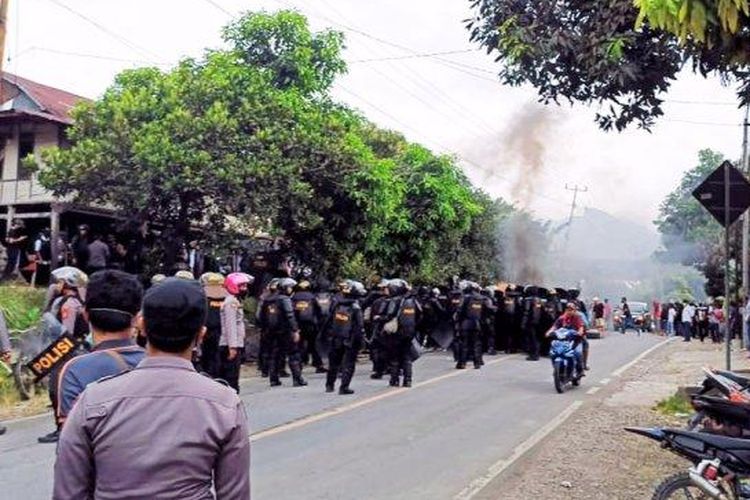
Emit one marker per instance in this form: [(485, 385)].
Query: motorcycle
[(722, 406), (565, 357), (721, 464)]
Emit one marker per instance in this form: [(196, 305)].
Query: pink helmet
[(233, 282)]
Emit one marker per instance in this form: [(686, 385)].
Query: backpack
[(341, 324), (473, 308), (271, 315), (304, 311), (213, 320)]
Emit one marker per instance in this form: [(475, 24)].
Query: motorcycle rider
[(571, 320), (474, 307), (344, 327), (278, 319), (405, 310), (232, 340), (305, 310)]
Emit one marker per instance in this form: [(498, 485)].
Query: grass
[(22, 307), (676, 405)]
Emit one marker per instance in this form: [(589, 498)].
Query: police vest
[(341, 325), (407, 317), (304, 311), (213, 320), (473, 309)]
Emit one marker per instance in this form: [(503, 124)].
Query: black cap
[(173, 313)]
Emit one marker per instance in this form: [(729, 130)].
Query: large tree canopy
[(249, 137), (614, 53)]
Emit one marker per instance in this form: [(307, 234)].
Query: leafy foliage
[(620, 54), (690, 234), (248, 137)]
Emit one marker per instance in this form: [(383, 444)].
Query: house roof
[(50, 102)]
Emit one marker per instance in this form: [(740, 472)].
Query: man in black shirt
[(15, 241)]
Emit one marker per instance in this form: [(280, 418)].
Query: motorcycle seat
[(743, 381), (714, 440)]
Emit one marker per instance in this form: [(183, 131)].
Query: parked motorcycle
[(565, 357), (721, 464)]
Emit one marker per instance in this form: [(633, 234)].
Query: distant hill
[(598, 235)]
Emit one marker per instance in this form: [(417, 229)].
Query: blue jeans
[(687, 330)]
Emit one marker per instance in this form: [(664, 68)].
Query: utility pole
[(576, 189), (3, 30), (745, 226)]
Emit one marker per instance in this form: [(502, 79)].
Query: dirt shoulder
[(591, 457)]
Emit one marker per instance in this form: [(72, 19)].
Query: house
[(33, 117)]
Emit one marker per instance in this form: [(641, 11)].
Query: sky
[(452, 103)]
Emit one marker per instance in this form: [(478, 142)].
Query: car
[(642, 319)]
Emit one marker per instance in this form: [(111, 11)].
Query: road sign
[(710, 194)]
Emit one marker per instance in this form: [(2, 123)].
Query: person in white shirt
[(687, 321), (670, 320)]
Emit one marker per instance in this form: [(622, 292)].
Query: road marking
[(642, 355), (310, 419), (605, 381), (501, 465), (593, 390), (30, 417)]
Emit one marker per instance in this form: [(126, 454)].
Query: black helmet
[(397, 286)]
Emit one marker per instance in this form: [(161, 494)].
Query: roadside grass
[(22, 307), (674, 406)]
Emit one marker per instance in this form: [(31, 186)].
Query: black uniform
[(209, 357), (407, 311), (277, 318), (488, 325), (474, 307), (345, 327), (506, 325), (532, 319), (307, 314), (701, 321), (378, 355), (455, 298)]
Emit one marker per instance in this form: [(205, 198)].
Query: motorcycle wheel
[(557, 376), (24, 381), (677, 486)]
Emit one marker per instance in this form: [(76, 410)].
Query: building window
[(25, 148)]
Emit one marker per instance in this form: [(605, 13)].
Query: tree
[(610, 52), (690, 234), (248, 139)]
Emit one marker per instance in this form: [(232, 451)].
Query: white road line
[(605, 381), (296, 424), (645, 353), (47, 414), (593, 390), (501, 465)]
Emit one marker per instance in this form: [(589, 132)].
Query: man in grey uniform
[(161, 430)]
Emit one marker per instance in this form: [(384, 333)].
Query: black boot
[(320, 369), (52, 437), (329, 388), (299, 382), (3, 429), (393, 382), (345, 391), (407, 383)]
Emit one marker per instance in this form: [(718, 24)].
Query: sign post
[(726, 195)]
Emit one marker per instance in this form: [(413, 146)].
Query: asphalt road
[(444, 438)]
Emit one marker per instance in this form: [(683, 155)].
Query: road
[(446, 437)]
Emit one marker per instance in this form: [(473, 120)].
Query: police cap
[(173, 313)]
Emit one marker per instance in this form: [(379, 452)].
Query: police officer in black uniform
[(474, 307), (532, 318), (405, 310), (488, 322), (378, 310), (345, 328), (307, 314), (277, 318)]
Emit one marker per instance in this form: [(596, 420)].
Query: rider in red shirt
[(570, 320)]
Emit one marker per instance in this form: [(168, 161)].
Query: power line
[(412, 56), (702, 103), (695, 122), (104, 29), (219, 7), (89, 56)]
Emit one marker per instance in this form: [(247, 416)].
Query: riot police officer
[(404, 311), (307, 314), (474, 307), (278, 320), (345, 327), (378, 310), (508, 319), (532, 319), (488, 321)]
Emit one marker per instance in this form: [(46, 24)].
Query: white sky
[(451, 107)]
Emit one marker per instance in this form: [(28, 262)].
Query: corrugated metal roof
[(52, 102)]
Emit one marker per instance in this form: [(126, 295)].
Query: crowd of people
[(697, 320), (142, 357)]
